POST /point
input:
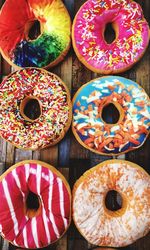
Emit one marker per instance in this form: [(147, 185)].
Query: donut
[(35, 109), (111, 115), (131, 35), (34, 33), (101, 225), (35, 208)]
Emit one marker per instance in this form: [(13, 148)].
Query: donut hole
[(32, 30), (109, 33), (32, 205), (113, 200), (110, 114), (30, 109)]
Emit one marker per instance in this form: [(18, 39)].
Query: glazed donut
[(35, 208), (131, 30), (130, 129), (34, 33), (98, 223), (35, 109)]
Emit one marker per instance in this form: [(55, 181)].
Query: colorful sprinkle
[(55, 108), (125, 50), (128, 133)]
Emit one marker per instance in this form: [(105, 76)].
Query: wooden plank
[(77, 168), (70, 6), (69, 156), (4, 245), (21, 155), (142, 72), (2, 150), (64, 145), (62, 244), (80, 76), (79, 244), (10, 152), (50, 154), (36, 155)]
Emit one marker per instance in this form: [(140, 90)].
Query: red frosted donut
[(35, 108), (132, 35), (35, 203)]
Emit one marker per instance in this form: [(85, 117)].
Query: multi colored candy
[(54, 99), (131, 30), (132, 127)]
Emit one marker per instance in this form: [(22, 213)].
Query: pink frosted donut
[(35, 205), (130, 26)]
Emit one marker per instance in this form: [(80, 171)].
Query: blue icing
[(39, 52), (101, 85)]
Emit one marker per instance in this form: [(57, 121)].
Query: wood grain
[(71, 159)]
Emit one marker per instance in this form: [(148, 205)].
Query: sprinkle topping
[(97, 225), (55, 101), (132, 36), (130, 132)]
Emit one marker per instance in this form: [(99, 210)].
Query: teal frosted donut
[(101, 134), (34, 33)]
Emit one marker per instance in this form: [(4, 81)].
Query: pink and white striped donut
[(35, 204)]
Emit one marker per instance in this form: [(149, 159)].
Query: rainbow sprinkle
[(55, 101)]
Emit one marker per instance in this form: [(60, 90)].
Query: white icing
[(146, 114), (92, 219), (91, 132), (122, 145), (93, 98), (84, 97), (109, 149), (115, 128), (79, 115)]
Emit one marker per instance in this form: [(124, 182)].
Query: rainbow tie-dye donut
[(130, 26), (34, 33)]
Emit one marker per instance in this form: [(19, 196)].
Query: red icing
[(14, 231), (23, 13)]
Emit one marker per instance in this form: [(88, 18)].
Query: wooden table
[(68, 156)]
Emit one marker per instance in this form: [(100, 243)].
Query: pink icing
[(129, 45)]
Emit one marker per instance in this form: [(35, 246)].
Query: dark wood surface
[(68, 156)]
